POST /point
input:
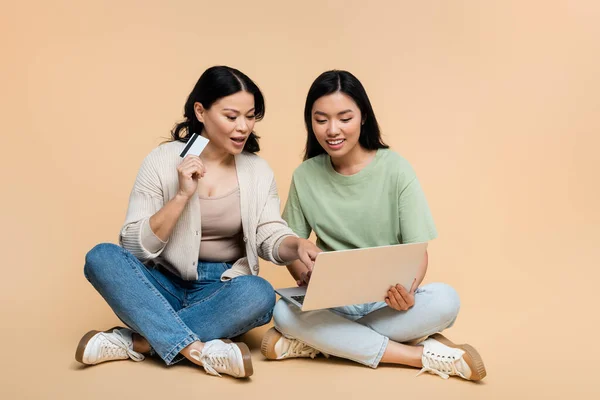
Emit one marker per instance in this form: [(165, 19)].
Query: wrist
[(288, 249), (181, 197), (291, 243)]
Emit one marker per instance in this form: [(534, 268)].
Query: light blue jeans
[(361, 332), (172, 313)]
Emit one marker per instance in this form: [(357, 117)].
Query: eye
[(229, 117), (250, 116), (320, 121), (346, 119)]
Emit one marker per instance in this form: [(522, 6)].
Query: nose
[(242, 126), (333, 129)]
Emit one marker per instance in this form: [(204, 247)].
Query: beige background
[(495, 103)]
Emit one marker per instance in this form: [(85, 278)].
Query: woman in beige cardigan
[(186, 274)]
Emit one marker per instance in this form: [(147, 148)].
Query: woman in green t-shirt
[(354, 192)]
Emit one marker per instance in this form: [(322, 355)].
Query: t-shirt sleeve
[(416, 222), (293, 215)]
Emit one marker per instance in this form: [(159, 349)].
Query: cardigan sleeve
[(272, 229), (145, 200)]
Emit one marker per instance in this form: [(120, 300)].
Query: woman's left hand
[(399, 298), (307, 252)]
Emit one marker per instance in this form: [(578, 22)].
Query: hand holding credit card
[(194, 146), (191, 169)]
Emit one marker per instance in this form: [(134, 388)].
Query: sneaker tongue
[(282, 346), (110, 350), (217, 349)]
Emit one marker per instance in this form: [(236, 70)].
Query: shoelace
[(211, 361), (434, 364), (298, 348), (120, 346)]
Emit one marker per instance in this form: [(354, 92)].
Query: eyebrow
[(340, 113), (237, 111)]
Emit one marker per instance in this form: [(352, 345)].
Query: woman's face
[(229, 121), (336, 121)]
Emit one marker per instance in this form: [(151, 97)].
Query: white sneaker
[(275, 346), (220, 357), (444, 358), (114, 344)]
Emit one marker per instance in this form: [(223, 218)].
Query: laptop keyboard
[(299, 299)]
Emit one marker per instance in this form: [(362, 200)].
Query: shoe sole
[(247, 359), (471, 356), (267, 347), (85, 340)]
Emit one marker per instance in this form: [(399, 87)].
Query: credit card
[(194, 146)]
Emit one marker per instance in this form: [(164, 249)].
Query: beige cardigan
[(157, 182)]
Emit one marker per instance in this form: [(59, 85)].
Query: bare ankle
[(397, 353), (198, 346)]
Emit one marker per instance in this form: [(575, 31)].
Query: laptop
[(357, 276)]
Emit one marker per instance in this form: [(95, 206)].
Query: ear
[(199, 110), (363, 121)]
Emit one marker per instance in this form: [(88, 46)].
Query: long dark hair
[(342, 81), (215, 83)]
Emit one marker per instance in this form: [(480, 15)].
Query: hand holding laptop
[(399, 298)]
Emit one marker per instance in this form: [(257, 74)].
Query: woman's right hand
[(190, 171)]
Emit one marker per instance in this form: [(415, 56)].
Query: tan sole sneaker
[(267, 347), (85, 340), (471, 356), (224, 347), (246, 357)]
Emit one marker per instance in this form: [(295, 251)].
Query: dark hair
[(342, 81), (215, 83)]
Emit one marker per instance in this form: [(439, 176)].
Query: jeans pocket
[(226, 266), (211, 271)]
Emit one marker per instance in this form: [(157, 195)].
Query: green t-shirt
[(383, 204)]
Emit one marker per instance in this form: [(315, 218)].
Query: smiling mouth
[(335, 142), (239, 139)]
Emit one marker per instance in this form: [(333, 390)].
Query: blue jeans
[(171, 313), (361, 332)]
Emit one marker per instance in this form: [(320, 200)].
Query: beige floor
[(535, 345), (495, 104)]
